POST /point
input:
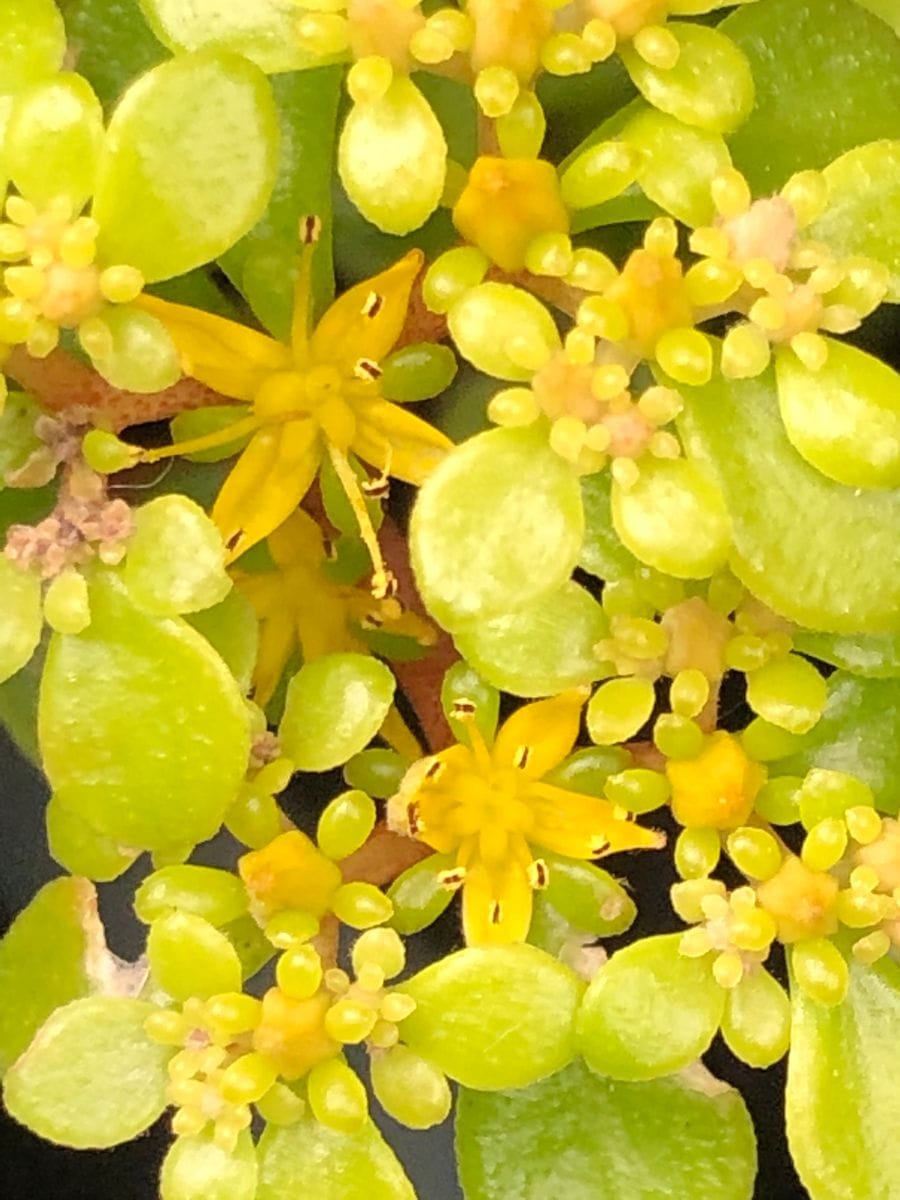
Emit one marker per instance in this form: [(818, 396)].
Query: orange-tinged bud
[(292, 1032), (652, 293), (289, 873), (508, 202), (509, 33), (801, 901), (628, 17), (717, 788)]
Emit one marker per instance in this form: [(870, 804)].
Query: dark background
[(31, 1169)]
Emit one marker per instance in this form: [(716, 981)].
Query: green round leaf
[(803, 55), (843, 1088), (311, 1161), (649, 1011), (710, 86), (188, 166), (231, 628), (678, 162), (140, 356), (53, 140), (857, 734), (674, 519), (494, 1017), (92, 1077), (779, 505), (176, 559), (497, 525), (197, 1169), (80, 849), (863, 213), (540, 649), (142, 730), (586, 1138), (20, 631), (844, 418), (756, 1023), (43, 960), (264, 31), (190, 957), (335, 706), (32, 42)]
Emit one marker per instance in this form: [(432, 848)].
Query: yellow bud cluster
[(755, 262), (53, 281), (734, 927)]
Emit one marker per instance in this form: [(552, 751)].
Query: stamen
[(372, 305), (372, 621), (521, 757), (598, 846), (310, 231), (434, 770), (495, 913), (538, 874), (382, 578), (367, 370), (412, 819), (462, 709), (453, 879), (219, 437)]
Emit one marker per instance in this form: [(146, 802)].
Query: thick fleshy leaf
[(192, 149), (22, 623), (44, 960), (53, 140), (176, 559), (844, 418), (309, 1161), (602, 552), (678, 162), (843, 1088), (540, 649), (92, 1077), (649, 1011), (494, 1017), (872, 655), (498, 525), (112, 44), (197, 1169), (863, 213), (803, 55), (710, 86), (262, 264), (80, 849), (888, 10), (856, 734), (32, 42), (264, 31), (779, 505), (335, 705), (231, 628), (392, 158), (586, 1138), (142, 729)]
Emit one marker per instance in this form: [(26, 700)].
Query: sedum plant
[(606, 286)]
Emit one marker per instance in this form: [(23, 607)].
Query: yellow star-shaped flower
[(317, 396), (490, 807), (299, 606)]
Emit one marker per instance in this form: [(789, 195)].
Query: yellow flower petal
[(267, 483), (581, 826), (365, 321), (398, 442), (277, 639), (226, 356), (496, 906), (538, 737), (298, 539)]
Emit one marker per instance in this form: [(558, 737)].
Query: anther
[(495, 913), (434, 770), (453, 879), (372, 305), (372, 621), (234, 539), (462, 709), (377, 489), (598, 845), (367, 370), (521, 757), (538, 874), (310, 230), (412, 819)]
